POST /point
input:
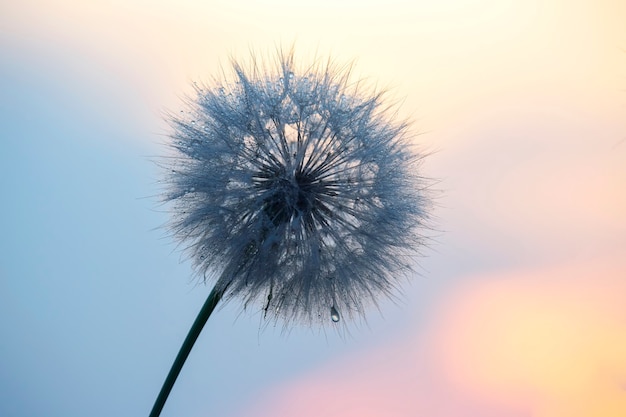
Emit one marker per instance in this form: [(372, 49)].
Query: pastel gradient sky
[(519, 310)]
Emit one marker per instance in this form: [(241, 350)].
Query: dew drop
[(291, 75), (334, 314)]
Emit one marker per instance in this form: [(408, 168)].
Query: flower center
[(290, 196)]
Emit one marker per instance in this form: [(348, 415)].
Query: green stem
[(192, 336)]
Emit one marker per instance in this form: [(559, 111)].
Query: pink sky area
[(541, 343)]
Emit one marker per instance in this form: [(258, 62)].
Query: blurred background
[(519, 308)]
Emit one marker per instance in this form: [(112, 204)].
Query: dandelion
[(296, 191)]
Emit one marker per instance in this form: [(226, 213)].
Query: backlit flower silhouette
[(295, 190)]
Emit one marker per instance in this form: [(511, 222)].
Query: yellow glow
[(554, 340), (452, 58)]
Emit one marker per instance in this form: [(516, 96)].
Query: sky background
[(519, 307)]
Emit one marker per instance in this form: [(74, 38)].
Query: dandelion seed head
[(296, 191)]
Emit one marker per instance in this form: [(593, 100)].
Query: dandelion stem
[(204, 314)]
